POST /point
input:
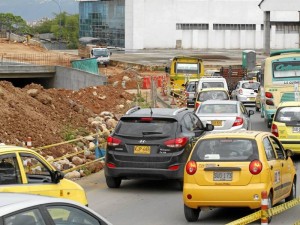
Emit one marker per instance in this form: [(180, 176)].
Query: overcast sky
[(32, 10)]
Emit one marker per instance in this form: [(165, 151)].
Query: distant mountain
[(33, 10)]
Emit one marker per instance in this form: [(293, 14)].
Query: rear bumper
[(218, 196)]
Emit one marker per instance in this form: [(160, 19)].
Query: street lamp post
[(60, 34)]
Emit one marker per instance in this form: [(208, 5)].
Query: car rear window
[(207, 95), (146, 126), (288, 114), (250, 85), (212, 84), (218, 108), (225, 149), (191, 87)]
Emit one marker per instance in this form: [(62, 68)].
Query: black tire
[(292, 193), (180, 184), (113, 182), (270, 204), (191, 215)]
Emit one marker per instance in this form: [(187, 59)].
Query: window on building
[(192, 26), (234, 26)]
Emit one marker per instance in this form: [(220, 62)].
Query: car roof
[(219, 102), (8, 148), (213, 89), (248, 81), (156, 112), (289, 103), (236, 134)]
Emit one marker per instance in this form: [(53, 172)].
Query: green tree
[(12, 23)]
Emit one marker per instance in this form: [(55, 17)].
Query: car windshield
[(212, 85), (225, 149), (207, 95), (140, 127), (251, 85), (288, 114), (218, 108), (100, 52)]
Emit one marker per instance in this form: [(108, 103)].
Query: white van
[(212, 82)]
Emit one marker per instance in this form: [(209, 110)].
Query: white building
[(209, 24)]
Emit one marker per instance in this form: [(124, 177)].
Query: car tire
[(113, 182), (292, 193), (270, 204), (191, 215), (180, 184)]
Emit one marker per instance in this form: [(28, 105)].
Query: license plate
[(251, 99), (141, 150), (216, 122), (222, 176), (296, 129)]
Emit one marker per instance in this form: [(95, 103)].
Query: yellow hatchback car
[(211, 93), (232, 169), (24, 170), (286, 125)]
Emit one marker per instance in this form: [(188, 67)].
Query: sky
[(33, 10)]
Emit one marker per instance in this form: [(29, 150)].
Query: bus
[(279, 80), (181, 70)]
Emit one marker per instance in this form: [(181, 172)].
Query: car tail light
[(146, 119), (274, 130), (110, 165), (177, 142), (197, 105), (240, 91), (269, 102), (269, 95), (191, 167), (238, 121), (111, 141), (173, 167), (255, 167)]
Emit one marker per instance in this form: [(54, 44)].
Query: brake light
[(110, 165), (238, 121), (269, 102), (269, 95), (197, 105), (191, 167), (240, 91), (146, 119), (274, 130), (255, 167), (111, 141), (174, 167), (177, 142)]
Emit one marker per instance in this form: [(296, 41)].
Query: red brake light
[(274, 130), (110, 165), (111, 141), (191, 167), (173, 167), (238, 121), (240, 91), (255, 167), (269, 102), (269, 95), (177, 142), (197, 105), (146, 119)]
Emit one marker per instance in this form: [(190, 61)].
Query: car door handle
[(271, 167), (282, 164)]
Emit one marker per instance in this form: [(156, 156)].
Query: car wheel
[(113, 182), (270, 204), (292, 193), (180, 184), (191, 215)]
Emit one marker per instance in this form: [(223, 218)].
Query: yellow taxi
[(24, 170), (211, 93), (232, 169), (286, 125)]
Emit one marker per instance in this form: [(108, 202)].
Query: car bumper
[(217, 196), (190, 103), (247, 100)]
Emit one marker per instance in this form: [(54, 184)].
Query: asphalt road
[(160, 203)]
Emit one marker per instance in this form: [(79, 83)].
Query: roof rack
[(132, 110), (179, 110)]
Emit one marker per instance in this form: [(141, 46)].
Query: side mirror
[(250, 112), (289, 152), (209, 127), (57, 176)]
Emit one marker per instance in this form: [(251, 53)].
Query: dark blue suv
[(151, 143)]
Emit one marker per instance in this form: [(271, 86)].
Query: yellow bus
[(280, 77), (181, 70)]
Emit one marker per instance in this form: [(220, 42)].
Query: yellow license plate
[(216, 122), (141, 150), (252, 99)]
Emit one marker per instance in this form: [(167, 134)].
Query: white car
[(225, 115), (246, 91), (28, 209)]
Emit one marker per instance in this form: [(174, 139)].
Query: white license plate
[(296, 129), (222, 176)]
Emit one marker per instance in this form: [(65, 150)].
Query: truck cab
[(102, 55)]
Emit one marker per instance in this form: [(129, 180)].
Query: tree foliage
[(12, 23)]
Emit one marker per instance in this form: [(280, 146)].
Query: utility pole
[(60, 31)]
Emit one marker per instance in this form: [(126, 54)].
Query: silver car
[(225, 115), (29, 209), (246, 91)]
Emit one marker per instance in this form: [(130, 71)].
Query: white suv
[(246, 91), (212, 82)]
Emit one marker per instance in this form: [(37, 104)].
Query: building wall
[(163, 24)]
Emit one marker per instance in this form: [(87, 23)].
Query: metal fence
[(47, 59)]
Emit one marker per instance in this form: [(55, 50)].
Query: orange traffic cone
[(29, 142)]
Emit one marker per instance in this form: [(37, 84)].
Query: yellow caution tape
[(247, 219), (83, 165)]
